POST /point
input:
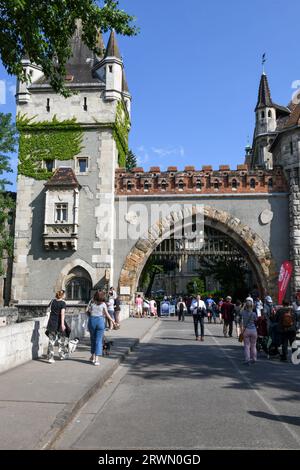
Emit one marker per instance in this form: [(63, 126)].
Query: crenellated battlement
[(205, 181)]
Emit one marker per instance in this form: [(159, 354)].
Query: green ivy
[(46, 140), (121, 131)]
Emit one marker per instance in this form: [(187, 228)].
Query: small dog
[(106, 346), (73, 345)]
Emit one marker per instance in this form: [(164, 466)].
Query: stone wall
[(205, 181), (22, 342)]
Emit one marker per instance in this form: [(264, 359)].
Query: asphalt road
[(177, 393)]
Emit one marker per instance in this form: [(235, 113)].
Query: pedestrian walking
[(286, 321), (249, 318), (117, 313), (237, 317), (97, 311), (56, 328), (181, 309), (198, 310), (227, 315), (139, 306)]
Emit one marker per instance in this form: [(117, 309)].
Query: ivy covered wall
[(121, 132), (46, 140)]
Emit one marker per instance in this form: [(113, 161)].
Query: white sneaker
[(96, 363), (51, 360)]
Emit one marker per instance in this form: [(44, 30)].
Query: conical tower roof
[(112, 49), (264, 94)]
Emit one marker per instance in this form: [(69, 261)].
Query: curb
[(69, 412)]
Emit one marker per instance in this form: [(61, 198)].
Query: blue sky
[(194, 72)]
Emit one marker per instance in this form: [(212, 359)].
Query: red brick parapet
[(205, 181)]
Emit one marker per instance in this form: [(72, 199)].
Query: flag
[(283, 280)]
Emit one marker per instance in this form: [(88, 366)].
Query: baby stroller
[(266, 342)]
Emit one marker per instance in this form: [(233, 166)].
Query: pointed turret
[(264, 94), (112, 49)]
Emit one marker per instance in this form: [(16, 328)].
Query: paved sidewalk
[(37, 399)]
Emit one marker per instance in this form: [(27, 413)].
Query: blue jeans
[(96, 328)]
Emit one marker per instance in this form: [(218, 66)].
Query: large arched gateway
[(257, 251)]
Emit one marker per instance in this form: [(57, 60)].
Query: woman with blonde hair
[(97, 312), (56, 328), (249, 318)]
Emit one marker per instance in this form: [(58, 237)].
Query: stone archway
[(63, 276), (256, 249)]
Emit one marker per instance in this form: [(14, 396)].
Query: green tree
[(7, 145), (131, 161), (8, 142), (230, 272), (42, 29), (195, 286), (152, 268)]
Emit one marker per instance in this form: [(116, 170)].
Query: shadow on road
[(295, 420)]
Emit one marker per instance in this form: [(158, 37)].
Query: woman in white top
[(111, 309), (97, 312)]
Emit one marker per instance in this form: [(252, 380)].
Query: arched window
[(163, 185), (180, 185), (252, 183), (262, 114), (78, 285), (146, 185), (216, 184), (198, 184), (269, 113), (129, 185), (234, 184)]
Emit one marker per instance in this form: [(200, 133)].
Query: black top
[(54, 322)]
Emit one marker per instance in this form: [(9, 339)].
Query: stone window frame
[(76, 165), (44, 165), (56, 219)]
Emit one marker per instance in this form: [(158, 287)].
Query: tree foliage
[(8, 142), (230, 272), (7, 145), (41, 30), (152, 268), (131, 161)]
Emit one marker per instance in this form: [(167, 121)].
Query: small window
[(146, 186), (216, 184), (291, 148), (82, 165), (110, 67), (270, 183), (49, 164), (262, 114), (85, 103), (48, 105), (129, 185), (252, 183), (180, 185), (61, 212), (163, 185), (234, 184), (269, 113)]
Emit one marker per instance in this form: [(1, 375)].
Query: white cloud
[(167, 151), (2, 92), (12, 89)]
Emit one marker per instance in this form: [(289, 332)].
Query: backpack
[(287, 319)]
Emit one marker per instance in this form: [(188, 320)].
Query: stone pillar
[(294, 211)]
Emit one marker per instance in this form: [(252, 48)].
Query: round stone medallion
[(266, 216), (131, 218)]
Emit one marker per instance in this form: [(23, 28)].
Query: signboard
[(125, 290), (283, 280)]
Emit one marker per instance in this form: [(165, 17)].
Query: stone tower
[(68, 153), (266, 112), (277, 143)]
